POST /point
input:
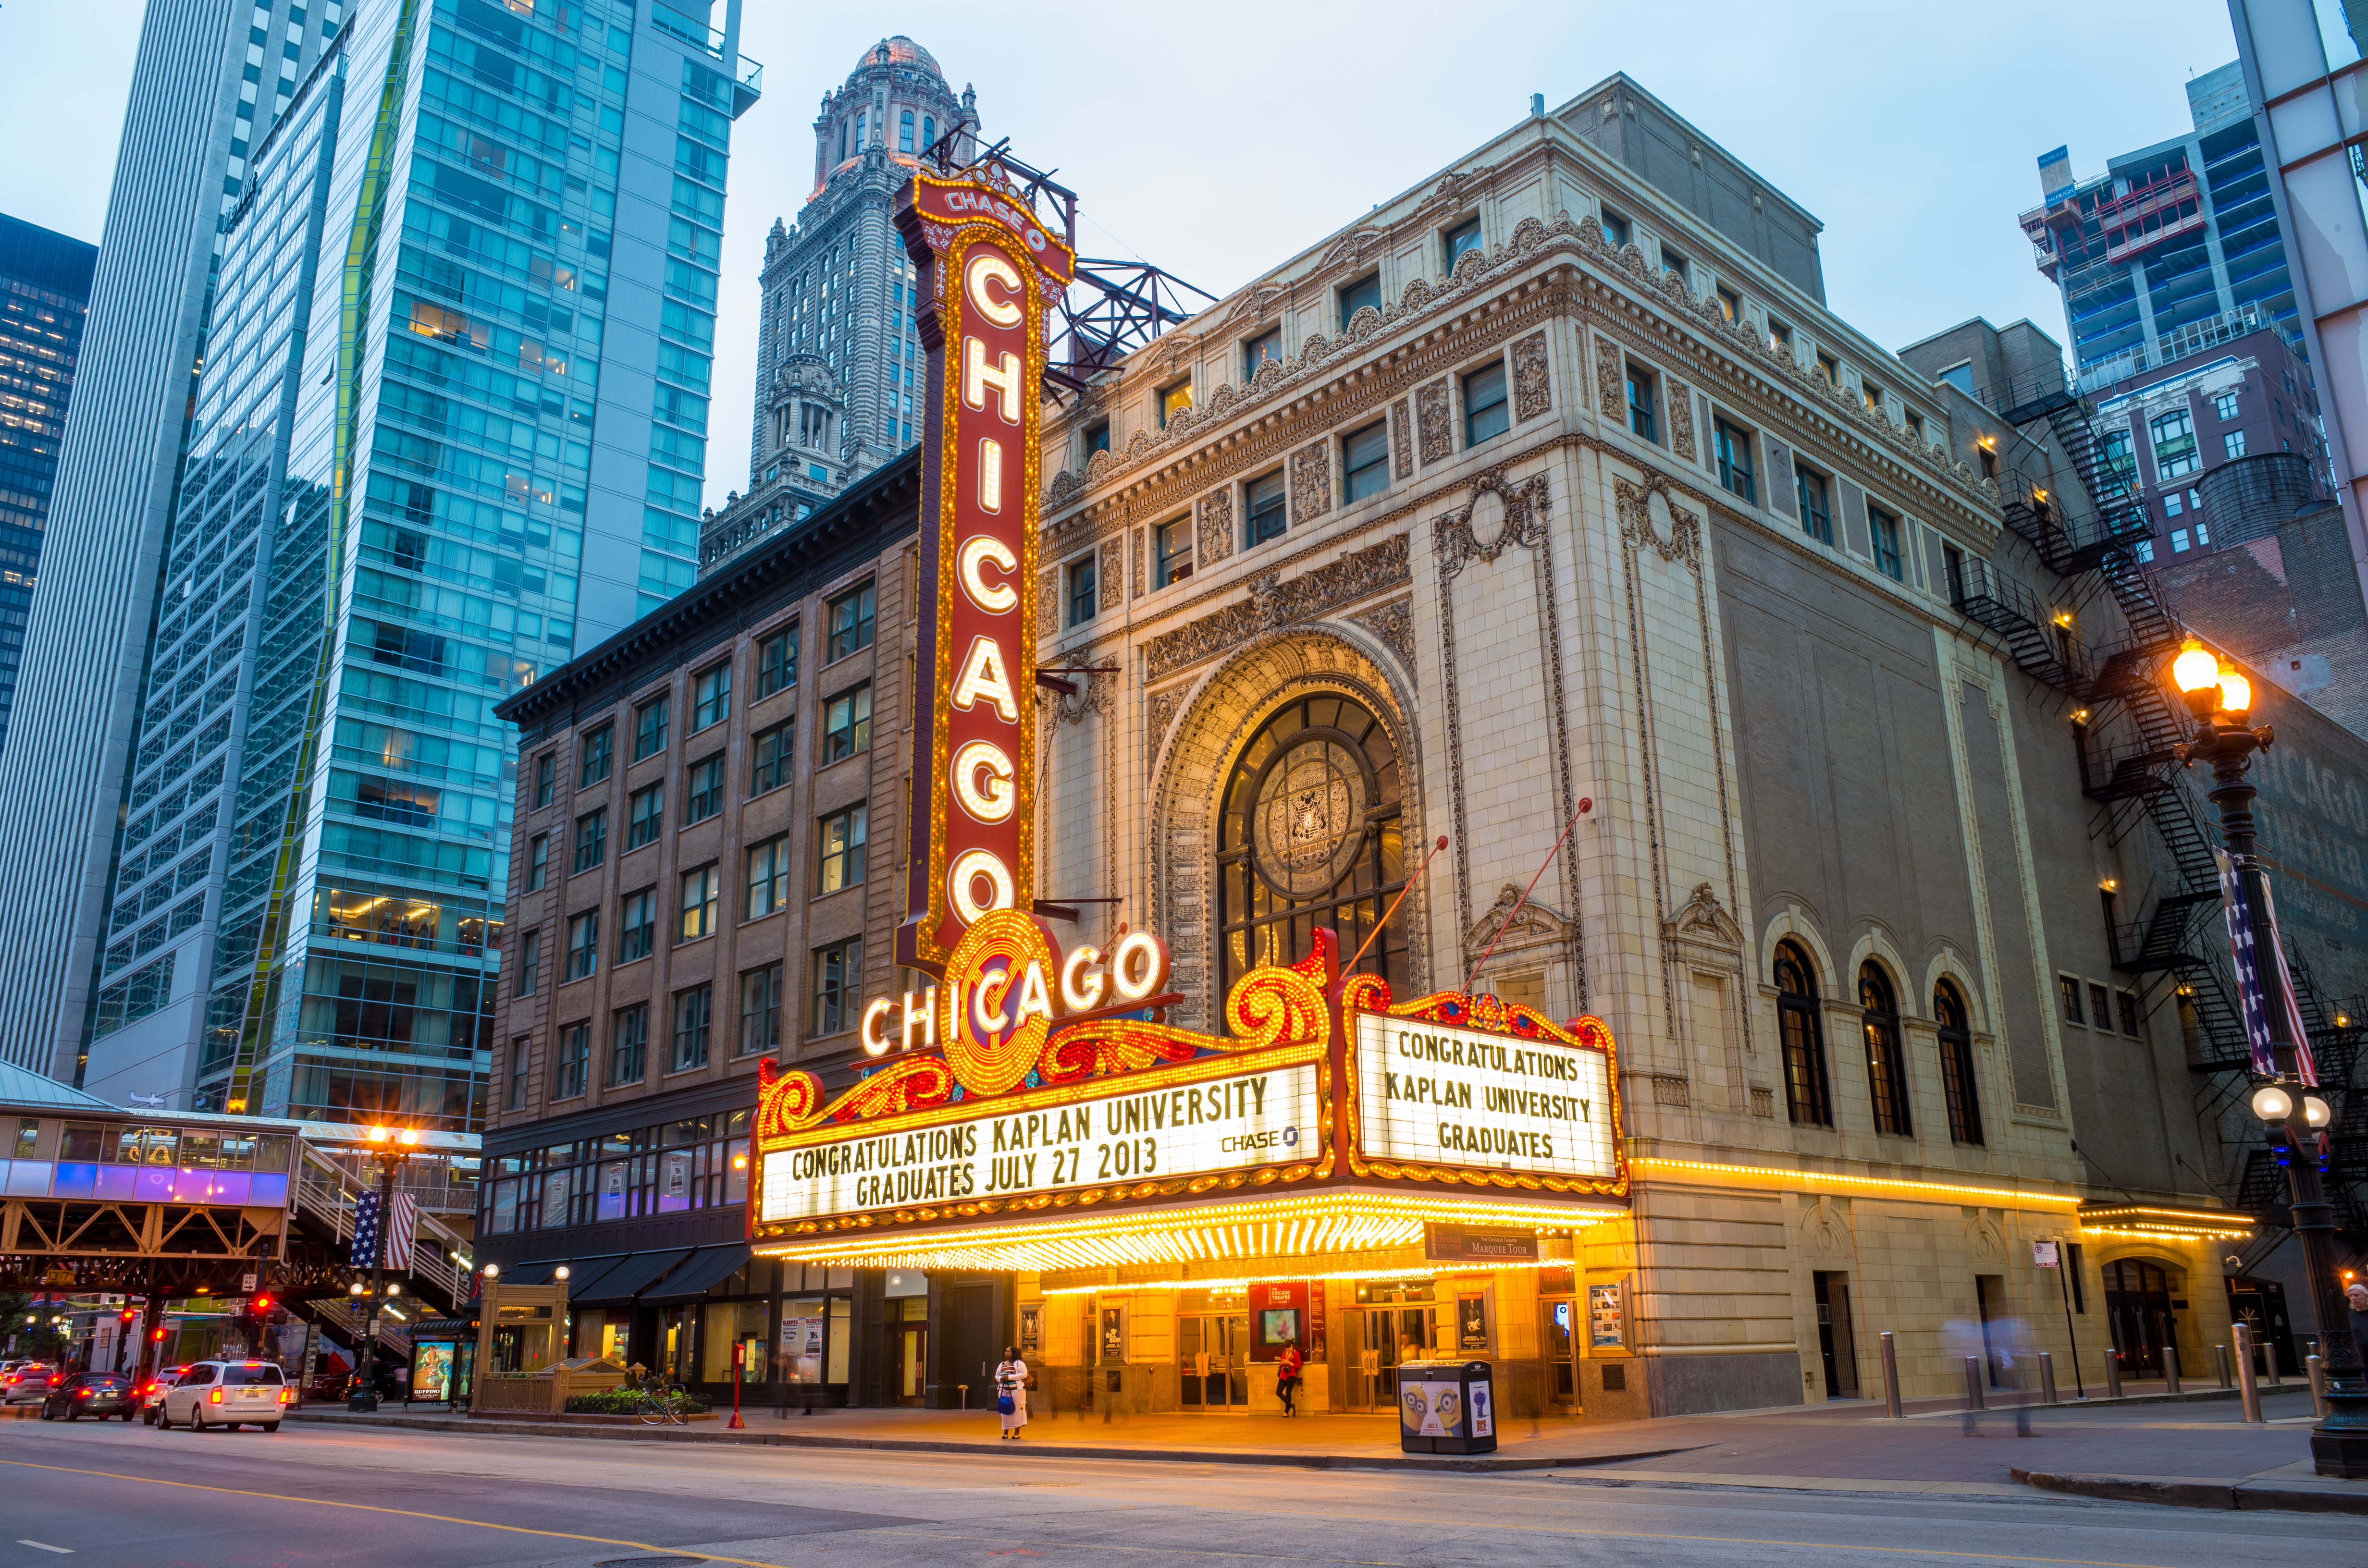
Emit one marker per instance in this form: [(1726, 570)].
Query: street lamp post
[(389, 1146), (2222, 701)]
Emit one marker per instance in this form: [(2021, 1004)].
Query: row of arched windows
[(1809, 1091)]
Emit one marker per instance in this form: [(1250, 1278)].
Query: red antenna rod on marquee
[(1350, 967), (1586, 805)]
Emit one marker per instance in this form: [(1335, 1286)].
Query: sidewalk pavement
[(2191, 1449)]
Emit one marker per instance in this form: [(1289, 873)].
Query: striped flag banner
[(401, 1231), (2252, 996)]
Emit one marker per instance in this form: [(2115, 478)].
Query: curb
[(1481, 1463), (2177, 1493)]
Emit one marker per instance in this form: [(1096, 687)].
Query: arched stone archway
[(1217, 717)]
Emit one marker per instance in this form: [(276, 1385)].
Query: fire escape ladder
[(2047, 653)]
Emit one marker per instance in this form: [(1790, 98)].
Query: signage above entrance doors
[(988, 273)]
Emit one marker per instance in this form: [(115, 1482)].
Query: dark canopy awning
[(620, 1285), (699, 1274)]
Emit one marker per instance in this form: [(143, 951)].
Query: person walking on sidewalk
[(1011, 1391), (1286, 1378)]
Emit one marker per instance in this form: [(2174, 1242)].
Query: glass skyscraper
[(44, 293), (450, 428)]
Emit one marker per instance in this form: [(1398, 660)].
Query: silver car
[(225, 1395)]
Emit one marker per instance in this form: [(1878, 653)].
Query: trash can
[(1446, 1407)]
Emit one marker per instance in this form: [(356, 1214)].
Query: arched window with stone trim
[(1311, 834), (1957, 1081), (1886, 1063), (1808, 1099), (904, 131), (928, 132)]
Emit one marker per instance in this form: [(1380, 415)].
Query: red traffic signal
[(158, 1336), (129, 1314), (260, 1305)]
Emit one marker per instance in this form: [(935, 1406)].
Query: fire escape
[(2175, 954)]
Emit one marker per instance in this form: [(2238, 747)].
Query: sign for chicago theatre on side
[(1036, 1084)]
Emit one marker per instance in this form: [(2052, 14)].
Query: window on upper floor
[(760, 1009), (1174, 542), (1355, 297), (904, 131), (583, 944), (1914, 427), (650, 728), (546, 774), (1264, 509), (629, 1041), (1672, 262), (1780, 337), (637, 925), (711, 691), (1097, 439), (1830, 369), (599, 750), (1081, 579), (2233, 444), (529, 961), (837, 985), (1886, 1059), (2067, 993), (776, 661), (1959, 1086), (701, 890), (1640, 404), (1733, 445), (1257, 352), (1365, 462), (1487, 413), (1870, 395), (1883, 532), (1814, 492), (1616, 228), (2174, 444), (591, 839), (769, 751), (841, 859), (1173, 400), (571, 1062), (1464, 236), (702, 795), (538, 862), (646, 817), (1801, 1034), (769, 876), (847, 724), (851, 617), (691, 1015), (2225, 405), (1730, 304)]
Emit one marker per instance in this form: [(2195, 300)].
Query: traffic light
[(260, 1307)]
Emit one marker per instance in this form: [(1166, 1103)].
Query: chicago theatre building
[(1496, 820)]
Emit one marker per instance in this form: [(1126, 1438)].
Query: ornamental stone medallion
[(1308, 816)]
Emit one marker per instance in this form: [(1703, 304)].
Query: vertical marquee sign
[(988, 273)]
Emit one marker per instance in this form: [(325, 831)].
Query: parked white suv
[(227, 1394)]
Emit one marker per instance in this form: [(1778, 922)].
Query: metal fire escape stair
[(323, 1196)]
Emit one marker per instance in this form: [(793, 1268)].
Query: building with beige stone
[(1778, 702)]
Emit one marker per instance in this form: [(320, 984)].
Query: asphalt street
[(111, 1495)]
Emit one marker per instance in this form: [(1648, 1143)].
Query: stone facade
[(1758, 737)]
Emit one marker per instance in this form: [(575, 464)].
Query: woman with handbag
[(1286, 1379), (1011, 1391)]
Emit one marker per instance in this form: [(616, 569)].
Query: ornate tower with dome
[(839, 365)]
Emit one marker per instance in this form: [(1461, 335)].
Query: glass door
[(1212, 1364), (912, 1362), (1383, 1338), (1561, 1342)]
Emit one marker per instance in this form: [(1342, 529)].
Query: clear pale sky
[(1221, 137)]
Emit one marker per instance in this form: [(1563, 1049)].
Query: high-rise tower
[(210, 80), (44, 296), (838, 363), (450, 428)]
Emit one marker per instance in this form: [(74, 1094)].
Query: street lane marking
[(752, 1562), (374, 1508), (45, 1546)]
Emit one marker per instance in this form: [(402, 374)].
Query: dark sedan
[(101, 1394)]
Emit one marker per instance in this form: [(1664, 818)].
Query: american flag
[(2235, 904), (365, 1253), (401, 1232)]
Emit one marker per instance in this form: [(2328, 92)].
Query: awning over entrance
[(538, 1272), (628, 1279), (701, 1272), (585, 1273)]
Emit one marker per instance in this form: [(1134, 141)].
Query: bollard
[(2249, 1393), (2269, 1378), (1891, 1405), (2226, 1379), (1974, 1384), (2112, 1374), (2170, 1368), (2047, 1378), (2317, 1370)]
